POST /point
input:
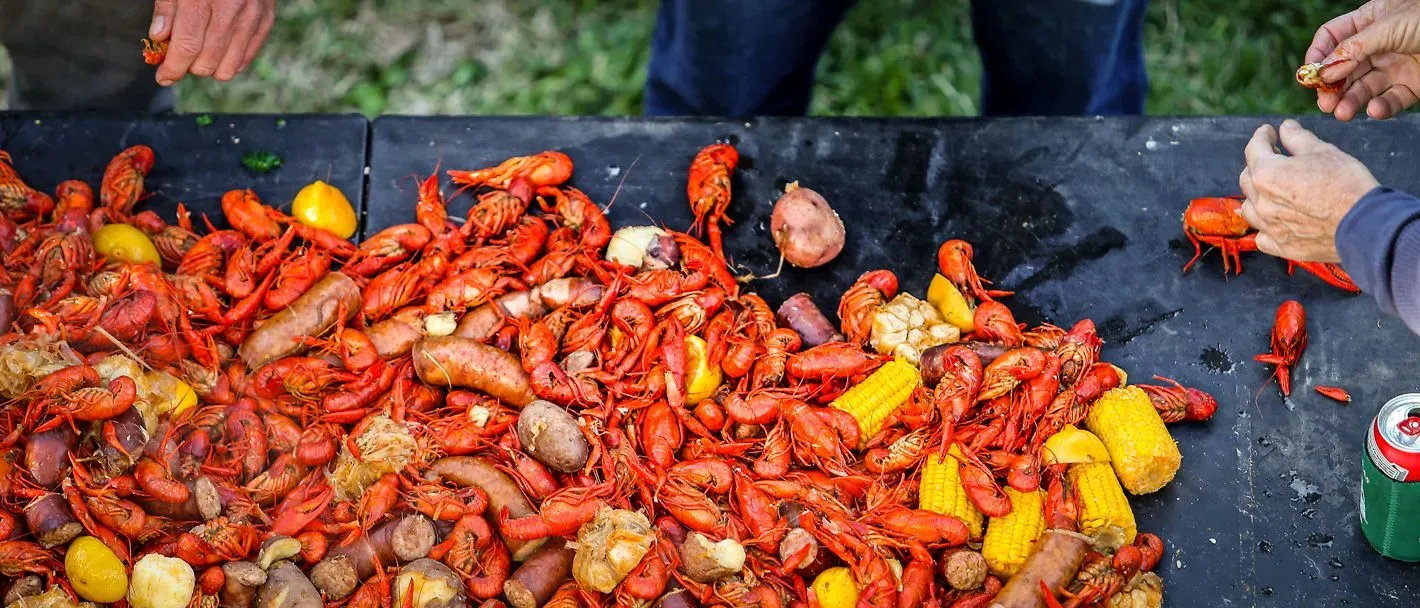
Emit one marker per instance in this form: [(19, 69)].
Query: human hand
[(1375, 51), (217, 38), (1296, 202)]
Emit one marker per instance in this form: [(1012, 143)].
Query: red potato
[(50, 521), (132, 436), (534, 582), (502, 492), (678, 598), (807, 231), (344, 568), (449, 361), (47, 456), (1058, 556), (310, 315), (802, 315)]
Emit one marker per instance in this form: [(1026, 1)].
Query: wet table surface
[(1081, 218), (195, 164)]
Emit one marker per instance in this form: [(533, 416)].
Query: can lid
[(1409, 431), (1398, 423)]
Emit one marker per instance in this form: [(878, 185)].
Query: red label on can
[(1396, 463)]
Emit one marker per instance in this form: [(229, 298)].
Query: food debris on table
[(527, 407), (204, 120), (261, 161)]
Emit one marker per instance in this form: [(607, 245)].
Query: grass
[(889, 58)]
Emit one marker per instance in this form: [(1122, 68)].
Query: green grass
[(890, 58)]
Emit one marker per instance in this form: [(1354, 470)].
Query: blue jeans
[(734, 58)]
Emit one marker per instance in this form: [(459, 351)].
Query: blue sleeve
[(1379, 243)]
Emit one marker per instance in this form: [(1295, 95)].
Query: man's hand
[(1296, 202), (217, 38), (1376, 52)]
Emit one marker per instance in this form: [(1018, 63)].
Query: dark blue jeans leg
[(1061, 57), (737, 58)]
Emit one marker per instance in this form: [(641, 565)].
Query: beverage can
[(1390, 470)]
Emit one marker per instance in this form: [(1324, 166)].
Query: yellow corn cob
[(1011, 539), (1102, 500), (941, 492), (875, 398), (1144, 454)]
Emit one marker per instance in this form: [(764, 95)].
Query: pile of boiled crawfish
[(358, 410)]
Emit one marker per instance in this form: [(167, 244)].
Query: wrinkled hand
[(1296, 202), (1377, 53), (217, 38)]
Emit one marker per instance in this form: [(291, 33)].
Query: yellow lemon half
[(1072, 445), (835, 588), (701, 379), (947, 299), (95, 572), (124, 243), (321, 205)]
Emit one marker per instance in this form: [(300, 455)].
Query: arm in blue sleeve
[(1379, 243)]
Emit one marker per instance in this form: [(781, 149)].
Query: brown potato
[(287, 587), (550, 434)]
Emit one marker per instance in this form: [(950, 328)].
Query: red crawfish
[(709, 191), (123, 179), (954, 261), (1178, 403), (541, 169), (858, 305), (1006, 372), (154, 51), (1289, 339), (1309, 76), (17, 196), (1335, 392), (1218, 221)]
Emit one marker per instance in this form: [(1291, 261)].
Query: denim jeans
[(739, 58)]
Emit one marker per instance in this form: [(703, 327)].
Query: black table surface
[(194, 164), (1081, 218)]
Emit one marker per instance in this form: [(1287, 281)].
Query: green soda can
[(1390, 470)]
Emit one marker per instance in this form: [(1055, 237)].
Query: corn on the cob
[(941, 492), (877, 396), (1102, 500), (1143, 453), (1011, 539)]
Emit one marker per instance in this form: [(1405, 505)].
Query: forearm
[(1379, 243)]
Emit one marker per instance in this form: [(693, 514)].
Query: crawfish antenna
[(619, 184), (126, 351)]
